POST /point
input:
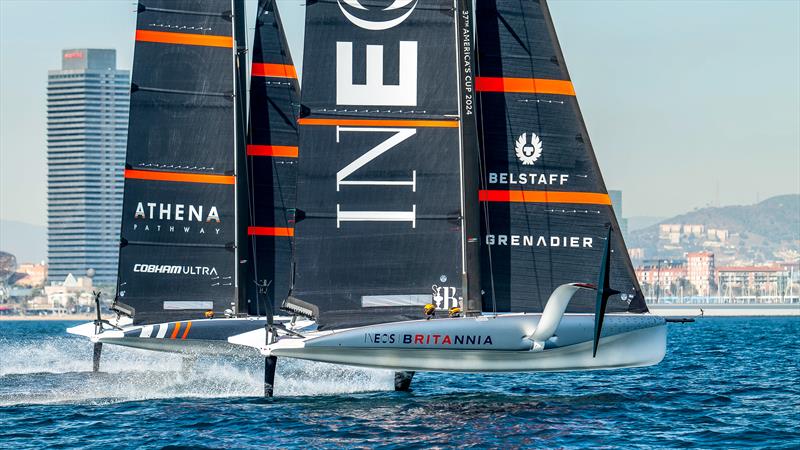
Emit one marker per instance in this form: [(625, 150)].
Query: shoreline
[(726, 310)]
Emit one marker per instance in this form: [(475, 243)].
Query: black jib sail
[(177, 256), (272, 162), (379, 223), (544, 203)]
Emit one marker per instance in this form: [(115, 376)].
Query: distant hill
[(758, 232), (636, 223), (26, 241)]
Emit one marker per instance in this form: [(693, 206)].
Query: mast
[(242, 208), (470, 169)]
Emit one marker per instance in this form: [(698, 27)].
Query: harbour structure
[(697, 277), (87, 118)]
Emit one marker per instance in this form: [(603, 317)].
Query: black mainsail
[(545, 207), (178, 237), (272, 149), (379, 197)]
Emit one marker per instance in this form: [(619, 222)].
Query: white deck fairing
[(483, 344)]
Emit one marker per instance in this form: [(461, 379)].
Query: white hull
[(501, 343), (633, 349), (627, 341)]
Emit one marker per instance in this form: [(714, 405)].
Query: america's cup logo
[(403, 8), (528, 151)]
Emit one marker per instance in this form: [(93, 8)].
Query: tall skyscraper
[(87, 125), (616, 203)]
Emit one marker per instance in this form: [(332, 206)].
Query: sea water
[(725, 382)]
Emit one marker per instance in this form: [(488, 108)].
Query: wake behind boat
[(398, 233)]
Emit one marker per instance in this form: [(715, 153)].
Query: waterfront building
[(755, 281), (662, 279), (31, 275), (700, 271), (670, 232), (68, 294), (87, 122), (637, 254)]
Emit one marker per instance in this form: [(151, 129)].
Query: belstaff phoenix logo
[(377, 25), (528, 152)]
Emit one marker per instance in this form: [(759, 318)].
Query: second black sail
[(272, 149)]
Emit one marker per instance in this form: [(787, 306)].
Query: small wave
[(58, 370), (67, 355), (215, 380)]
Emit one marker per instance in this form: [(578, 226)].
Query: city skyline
[(671, 96), (87, 118)]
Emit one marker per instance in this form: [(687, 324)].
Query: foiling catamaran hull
[(480, 344), (476, 344), (192, 337)]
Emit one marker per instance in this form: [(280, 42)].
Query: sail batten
[(172, 37), (273, 70), (524, 85), (410, 123)]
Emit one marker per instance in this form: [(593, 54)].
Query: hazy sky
[(688, 103)]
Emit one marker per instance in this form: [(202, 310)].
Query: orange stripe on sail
[(186, 331), (381, 123), (584, 198), (272, 150), (180, 177), (270, 231), (176, 330), (524, 85), (168, 37), (273, 70)]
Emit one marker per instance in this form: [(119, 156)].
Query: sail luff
[(242, 204)]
